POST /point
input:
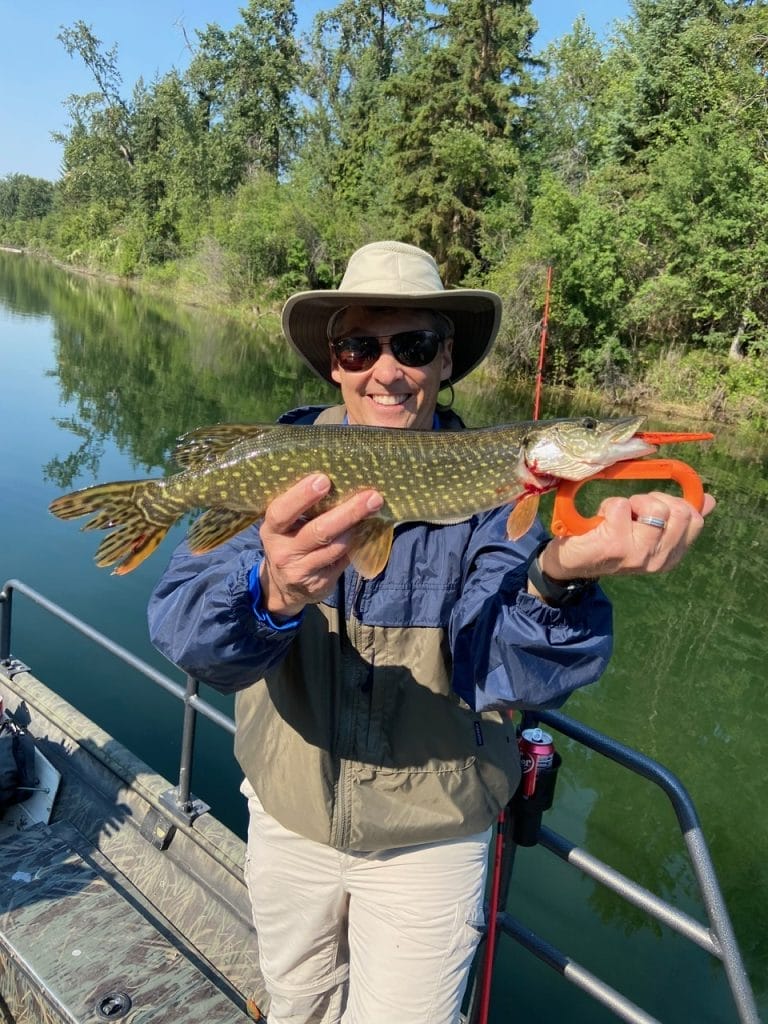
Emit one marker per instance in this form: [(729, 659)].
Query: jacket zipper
[(342, 812)]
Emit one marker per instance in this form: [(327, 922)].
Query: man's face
[(389, 394)]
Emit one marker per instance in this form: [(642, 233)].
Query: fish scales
[(233, 472), (421, 475)]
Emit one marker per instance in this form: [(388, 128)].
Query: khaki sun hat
[(397, 275)]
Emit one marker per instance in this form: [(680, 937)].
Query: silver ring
[(652, 521)]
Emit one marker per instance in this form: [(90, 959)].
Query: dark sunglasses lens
[(415, 348), (356, 354), (411, 348)]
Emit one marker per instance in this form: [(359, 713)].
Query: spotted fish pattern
[(233, 472)]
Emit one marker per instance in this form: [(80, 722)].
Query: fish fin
[(217, 525), (371, 544), (206, 444), (133, 509), (522, 516)]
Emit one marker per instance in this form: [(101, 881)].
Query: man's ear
[(446, 367)]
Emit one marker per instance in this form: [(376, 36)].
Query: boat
[(123, 896)]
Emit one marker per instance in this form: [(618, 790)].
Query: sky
[(37, 75)]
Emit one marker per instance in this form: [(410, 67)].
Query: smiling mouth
[(389, 399)]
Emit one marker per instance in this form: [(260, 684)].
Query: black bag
[(17, 765)]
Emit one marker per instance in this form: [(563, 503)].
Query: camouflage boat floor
[(115, 898), (90, 945)]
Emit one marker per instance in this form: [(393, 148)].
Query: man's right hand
[(304, 558)]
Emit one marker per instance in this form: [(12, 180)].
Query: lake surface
[(98, 382)]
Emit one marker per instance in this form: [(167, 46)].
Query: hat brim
[(476, 315)]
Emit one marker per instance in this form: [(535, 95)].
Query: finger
[(334, 525), (683, 525), (653, 506), (709, 504), (284, 511)]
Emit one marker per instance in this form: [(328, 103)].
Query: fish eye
[(589, 423)]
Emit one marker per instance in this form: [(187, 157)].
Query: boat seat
[(81, 944)]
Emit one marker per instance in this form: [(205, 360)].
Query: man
[(369, 713)]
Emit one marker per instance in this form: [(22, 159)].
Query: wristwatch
[(556, 592)]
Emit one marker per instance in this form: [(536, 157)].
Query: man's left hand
[(625, 543)]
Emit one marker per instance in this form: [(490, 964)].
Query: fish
[(233, 472)]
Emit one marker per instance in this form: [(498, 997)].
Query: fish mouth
[(577, 449), (622, 436)]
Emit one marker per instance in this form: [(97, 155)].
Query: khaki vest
[(357, 739)]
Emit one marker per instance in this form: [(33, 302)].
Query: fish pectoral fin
[(217, 525), (371, 545), (522, 516), (206, 444)]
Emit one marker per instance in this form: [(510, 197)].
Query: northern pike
[(234, 471)]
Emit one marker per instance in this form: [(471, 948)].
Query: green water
[(97, 383)]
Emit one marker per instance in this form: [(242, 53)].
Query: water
[(97, 384)]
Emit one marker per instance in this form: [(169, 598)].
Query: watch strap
[(556, 592)]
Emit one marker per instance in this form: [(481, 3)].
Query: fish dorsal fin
[(207, 444), (522, 516), (371, 545), (217, 525)]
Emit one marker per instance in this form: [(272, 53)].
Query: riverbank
[(679, 385)]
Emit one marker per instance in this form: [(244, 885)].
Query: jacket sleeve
[(509, 648), (201, 616)]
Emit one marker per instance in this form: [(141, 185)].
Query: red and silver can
[(537, 753)]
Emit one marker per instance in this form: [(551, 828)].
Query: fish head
[(574, 449)]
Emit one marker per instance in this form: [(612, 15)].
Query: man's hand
[(622, 544), (304, 558)]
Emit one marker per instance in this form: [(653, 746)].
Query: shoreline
[(636, 399)]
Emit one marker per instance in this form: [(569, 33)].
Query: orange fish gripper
[(568, 521)]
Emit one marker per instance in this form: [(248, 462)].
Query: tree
[(246, 81), (23, 197), (355, 48), (458, 121), (569, 107), (80, 40)]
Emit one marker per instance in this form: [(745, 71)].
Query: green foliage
[(637, 168), (453, 137), (23, 197)]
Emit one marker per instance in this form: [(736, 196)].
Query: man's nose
[(386, 366)]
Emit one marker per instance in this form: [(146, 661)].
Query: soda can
[(537, 752)]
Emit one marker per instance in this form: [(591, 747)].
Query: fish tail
[(139, 513)]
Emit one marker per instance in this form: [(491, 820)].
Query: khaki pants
[(363, 938)]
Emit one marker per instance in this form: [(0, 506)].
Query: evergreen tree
[(355, 48), (459, 112)]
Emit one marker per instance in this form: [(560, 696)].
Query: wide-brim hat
[(400, 276)]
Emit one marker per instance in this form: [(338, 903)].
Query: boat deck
[(128, 892), (131, 903)]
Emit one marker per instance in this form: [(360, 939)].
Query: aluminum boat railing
[(717, 939)]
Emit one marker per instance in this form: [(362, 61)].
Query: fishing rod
[(498, 856)]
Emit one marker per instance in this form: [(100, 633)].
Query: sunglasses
[(411, 348)]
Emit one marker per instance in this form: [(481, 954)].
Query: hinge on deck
[(157, 829), (13, 667)]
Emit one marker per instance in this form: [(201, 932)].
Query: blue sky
[(36, 75)]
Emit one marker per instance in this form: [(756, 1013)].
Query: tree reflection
[(140, 371)]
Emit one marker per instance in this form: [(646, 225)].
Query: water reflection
[(686, 682), (139, 371)]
